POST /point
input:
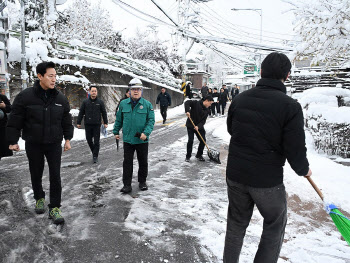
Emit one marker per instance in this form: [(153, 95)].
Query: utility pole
[(182, 26), (24, 74), (184, 6), (259, 11), (3, 49)]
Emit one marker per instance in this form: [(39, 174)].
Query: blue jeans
[(272, 205)]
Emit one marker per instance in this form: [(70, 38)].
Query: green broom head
[(340, 221)]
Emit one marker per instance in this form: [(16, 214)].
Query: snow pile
[(76, 42), (14, 50), (322, 103), (329, 124), (73, 79), (36, 51)]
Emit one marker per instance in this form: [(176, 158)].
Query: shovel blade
[(214, 156)]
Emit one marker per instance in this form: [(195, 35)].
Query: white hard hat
[(338, 85), (135, 83)]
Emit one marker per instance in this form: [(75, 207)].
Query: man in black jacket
[(235, 91), (266, 128), (204, 90), (92, 108), (164, 101), (198, 111), (42, 114), (5, 108), (215, 106), (222, 100)]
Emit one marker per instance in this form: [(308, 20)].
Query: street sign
[(249, 69), (3, 5)]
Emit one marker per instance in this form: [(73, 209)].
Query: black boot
[(126, 189), (200, 158), (143, 186)]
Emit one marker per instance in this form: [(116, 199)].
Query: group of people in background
[(220, 97), (259, 145)]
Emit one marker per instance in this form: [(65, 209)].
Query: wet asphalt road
[(95, 211)]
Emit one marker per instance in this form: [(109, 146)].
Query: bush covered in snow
[(324, 29), (328, 118)]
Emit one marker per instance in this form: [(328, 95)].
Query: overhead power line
[(198, 37), (118, 2)]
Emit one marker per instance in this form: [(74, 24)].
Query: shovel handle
[(199, 134), (315, 187)]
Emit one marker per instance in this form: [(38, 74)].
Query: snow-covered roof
[(89, 56)]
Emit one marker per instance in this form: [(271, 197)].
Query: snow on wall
[(327, 119)]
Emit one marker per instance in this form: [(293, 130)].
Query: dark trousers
[(36, 154), (215, 106), (93, 132), (191, 132), (272, 205), (142, 157), (223, 106), (163, 110)]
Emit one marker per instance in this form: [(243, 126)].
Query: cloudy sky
[(276, 20), (216, 19)]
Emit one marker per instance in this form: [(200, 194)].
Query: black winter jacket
[(92, 110), (222, 97), (6, 110), (164, 100), (266, 127), (204, 91), (216, 95), (43, 116), (198, 112)]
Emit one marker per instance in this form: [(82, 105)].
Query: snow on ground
[(197, 202), (307, 244), (310, 233), (171, 113)]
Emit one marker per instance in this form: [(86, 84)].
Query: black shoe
[(187, 160), (95, 159), (163, 121), (126, 189), (200, 158), (143, 186)]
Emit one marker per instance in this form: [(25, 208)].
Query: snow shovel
[(213, 154), (340, 221)]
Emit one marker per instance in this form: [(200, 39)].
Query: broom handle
[(315, 186), (199, 134)]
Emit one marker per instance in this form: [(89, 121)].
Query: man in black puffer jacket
[(198, 111), (266, 128), (42, 114), (164, 100), (92, 108)]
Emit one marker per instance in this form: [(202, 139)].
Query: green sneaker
[(40, 206), (55, 215)]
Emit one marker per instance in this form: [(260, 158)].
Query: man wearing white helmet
[(136, 117)]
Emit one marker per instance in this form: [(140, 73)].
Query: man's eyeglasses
[(135, 89)]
